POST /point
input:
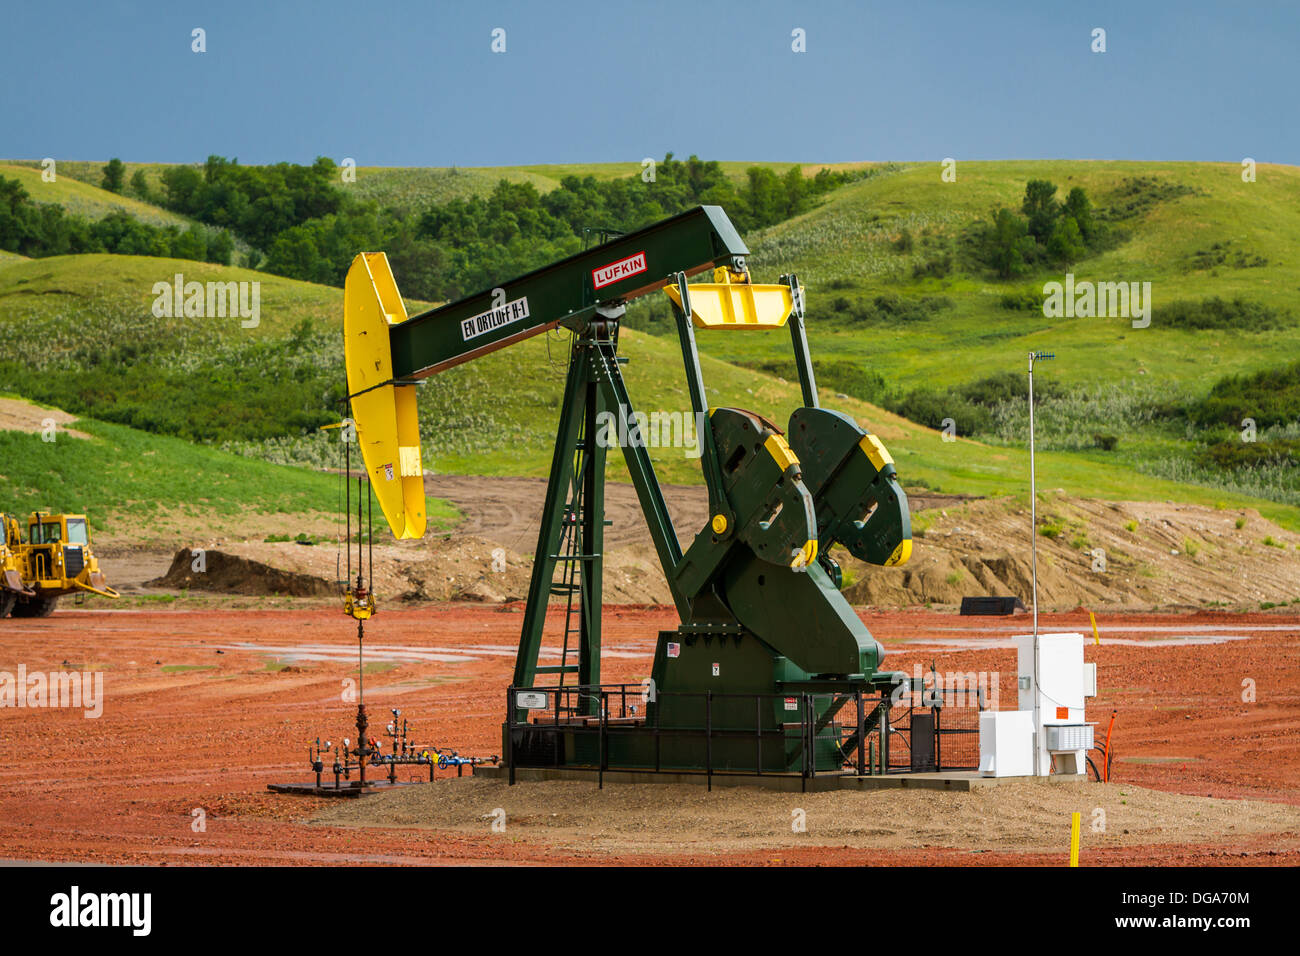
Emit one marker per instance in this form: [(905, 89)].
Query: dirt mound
[(457, 567), (629, 818), (1135, 554), (1099, 554), (447, 567), (202, 569)]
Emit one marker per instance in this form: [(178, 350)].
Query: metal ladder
[(569, 558)]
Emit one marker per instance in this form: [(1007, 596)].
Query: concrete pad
[(955, 780)]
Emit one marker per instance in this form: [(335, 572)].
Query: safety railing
[(848, 730), (933, 732)]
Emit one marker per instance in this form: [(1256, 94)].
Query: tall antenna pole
[(1033, 550), (1033, 504)]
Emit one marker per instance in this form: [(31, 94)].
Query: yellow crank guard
[(780, 452), (388, 429), (875, 451), (727, 304), (901, 554)]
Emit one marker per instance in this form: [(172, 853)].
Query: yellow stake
[(1096, 639), (1074, 839)]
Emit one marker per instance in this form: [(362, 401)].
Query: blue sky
[(407, 83)]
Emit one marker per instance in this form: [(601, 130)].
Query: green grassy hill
[(82, 336), (845, 247), (493, 416), (83, 325), (91, 172), (147, 487), (58, 288), (86, 199)]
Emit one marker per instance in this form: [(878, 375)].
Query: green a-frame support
[(574, 507)]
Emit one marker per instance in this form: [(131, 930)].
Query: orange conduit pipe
[(1106, 756)]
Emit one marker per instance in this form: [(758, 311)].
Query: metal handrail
[(807, 733)]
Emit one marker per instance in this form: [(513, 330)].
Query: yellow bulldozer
[(55, 559)]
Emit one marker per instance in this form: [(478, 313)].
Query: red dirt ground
[(121, 788)]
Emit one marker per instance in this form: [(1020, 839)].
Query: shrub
[(932, 409), (1022, 300), (852, 378), (1238, 314), (1139, 194), (1234, 453), (935, 268), (891, 309), (1270, 397), (971, 406)]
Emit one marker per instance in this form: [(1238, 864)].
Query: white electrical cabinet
[(1052, 686), (1007, 743)]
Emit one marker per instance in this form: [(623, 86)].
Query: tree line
[(299, 221), (310, 228), (36, 229)]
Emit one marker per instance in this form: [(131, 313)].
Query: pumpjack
[(764, 630)]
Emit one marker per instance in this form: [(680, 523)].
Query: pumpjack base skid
[(950, 780)]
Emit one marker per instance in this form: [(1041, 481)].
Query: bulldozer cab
[(60, 556), (44, 533), (51, 529)]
